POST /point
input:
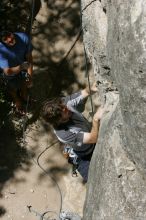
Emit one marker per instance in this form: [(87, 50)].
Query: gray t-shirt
[(71, 132)]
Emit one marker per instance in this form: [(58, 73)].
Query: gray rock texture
[(115, 41)]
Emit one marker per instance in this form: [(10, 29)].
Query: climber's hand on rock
[(92, 89), (99, 113)]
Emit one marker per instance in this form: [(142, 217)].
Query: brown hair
[(52, 110), (4, 34)]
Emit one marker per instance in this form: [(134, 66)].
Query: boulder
[(115, 41)]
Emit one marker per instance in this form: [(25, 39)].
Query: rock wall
[(115, 41)]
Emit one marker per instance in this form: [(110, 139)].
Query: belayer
[(16, 64), (72, 128)]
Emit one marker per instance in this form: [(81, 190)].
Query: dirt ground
[(36, 186), (27, 190)]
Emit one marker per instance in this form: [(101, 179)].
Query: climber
[(72, 128), (16, 64)]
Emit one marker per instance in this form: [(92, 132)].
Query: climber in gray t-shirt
[(72, 128)]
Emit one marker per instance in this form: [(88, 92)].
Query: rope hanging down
[(87, 74), (30, 34), (49, 175), (28, 97), (42, 216), (88, 5), (85, 56)]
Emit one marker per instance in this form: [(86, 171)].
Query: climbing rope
[(86, 62), (88, 5), (49, 175), (29, 45), (53, 179), (74, 43), (39, 165), (87, 74), (85, 55), (42, 216), (25, 118)]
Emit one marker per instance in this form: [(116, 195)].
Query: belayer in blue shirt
[(15, 61)]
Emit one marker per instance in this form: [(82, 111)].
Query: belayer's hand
[(24, 66)]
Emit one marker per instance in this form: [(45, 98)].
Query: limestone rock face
[(115, 41)]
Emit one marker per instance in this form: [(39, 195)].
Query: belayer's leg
[(24, 92), (15, 98)]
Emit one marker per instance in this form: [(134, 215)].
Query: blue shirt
[(15, 55)]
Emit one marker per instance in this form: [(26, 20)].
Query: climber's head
[(55, 112)]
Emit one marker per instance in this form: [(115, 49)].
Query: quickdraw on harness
[(72, 158)]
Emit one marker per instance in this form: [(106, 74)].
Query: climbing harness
[(71, 154), (73, 159)]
